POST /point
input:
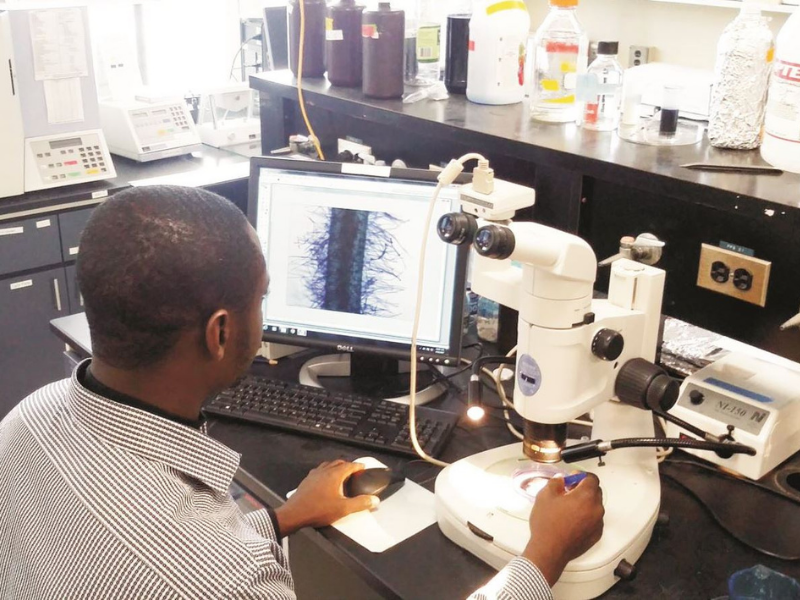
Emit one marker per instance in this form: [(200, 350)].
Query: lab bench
[(590, 183), (689, 557), (39, 234)]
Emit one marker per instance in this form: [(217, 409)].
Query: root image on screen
[(349, 261)]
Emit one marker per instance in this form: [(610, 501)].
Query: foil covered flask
[(738, 101)]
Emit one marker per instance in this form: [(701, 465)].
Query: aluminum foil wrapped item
[(738, 100), (686, 348)]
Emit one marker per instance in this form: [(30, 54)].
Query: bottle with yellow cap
[(498, 30), (560, 56)]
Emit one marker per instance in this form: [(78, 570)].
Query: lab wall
[(680, 34)]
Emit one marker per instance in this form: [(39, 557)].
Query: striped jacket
[(101, 500)]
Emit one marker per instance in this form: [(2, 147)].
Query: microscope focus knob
[(645, 385), (608, 344)]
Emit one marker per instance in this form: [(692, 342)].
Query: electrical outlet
[(733, 274), (638, 55)]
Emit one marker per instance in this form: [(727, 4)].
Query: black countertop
[(127, 171), (508, 130), (690, 558)]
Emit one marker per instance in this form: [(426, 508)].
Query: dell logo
[(343, 348)]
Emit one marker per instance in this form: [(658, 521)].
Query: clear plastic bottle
[(741, 78), (600, 90), (487, 320), (561, 53), (428, 41)]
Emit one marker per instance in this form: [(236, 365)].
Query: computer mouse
[(380, 482)]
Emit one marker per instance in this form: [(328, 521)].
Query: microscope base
[(479, 510)]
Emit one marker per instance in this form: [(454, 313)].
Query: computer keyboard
[(348, 418)]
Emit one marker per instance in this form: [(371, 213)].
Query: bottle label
[(370, 31), (783, 106), (590, 113), (334, 35), (559, 77), (428, 43)]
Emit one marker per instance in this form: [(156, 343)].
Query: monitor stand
[(375, 376)]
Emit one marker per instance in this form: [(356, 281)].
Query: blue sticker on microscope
[(529, 375)]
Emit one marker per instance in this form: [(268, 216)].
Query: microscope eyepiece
[(456, 228), (493, 241)]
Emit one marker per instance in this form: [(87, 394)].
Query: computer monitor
[(342, 245)]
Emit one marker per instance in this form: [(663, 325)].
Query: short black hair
[(157, 261)]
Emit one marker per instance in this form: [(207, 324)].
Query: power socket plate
[(759, 269)]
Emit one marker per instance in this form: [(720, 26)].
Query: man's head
[(167, 269)]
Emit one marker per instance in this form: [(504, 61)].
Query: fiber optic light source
[(476, 413)]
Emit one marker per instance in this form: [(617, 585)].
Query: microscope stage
[(480, 508)]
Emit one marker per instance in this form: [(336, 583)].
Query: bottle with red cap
[(560, 55)]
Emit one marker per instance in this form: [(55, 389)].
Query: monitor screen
[(342, 250)]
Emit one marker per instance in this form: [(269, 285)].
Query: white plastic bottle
[(741, 77), (496, 65), (562, 51), (781, 145), (600, 90)]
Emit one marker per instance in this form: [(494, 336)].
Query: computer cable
[(300, 56), (239, 53)]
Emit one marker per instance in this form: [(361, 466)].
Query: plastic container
[(314, 46), (457, 52), (561, 54), (600, 90), (487, 321), (343, 43), (762, 583), (781, 145), (383, 33), (741, 78), (429, 41), (496, 67)]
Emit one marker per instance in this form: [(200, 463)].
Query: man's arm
[(518, 580), (265, 522), (565, 524)]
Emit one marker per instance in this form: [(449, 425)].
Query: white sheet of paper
[(402, 515), (59, 43), (204, 176), (64, 100)]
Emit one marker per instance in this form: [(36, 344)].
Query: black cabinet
[(29, 244), (31, 356), (36, 287), (71, 225)]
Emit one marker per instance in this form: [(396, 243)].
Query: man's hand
[(319, 500), (564, 524)]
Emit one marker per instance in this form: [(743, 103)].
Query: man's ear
[(218, 333)]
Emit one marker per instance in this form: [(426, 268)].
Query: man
[(110, 486)]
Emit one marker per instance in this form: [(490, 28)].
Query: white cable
[(412, 413), (446, 177)]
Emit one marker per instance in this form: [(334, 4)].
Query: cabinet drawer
[(31, 354), (29, 244), (72, 224)]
